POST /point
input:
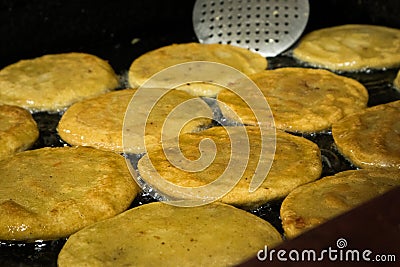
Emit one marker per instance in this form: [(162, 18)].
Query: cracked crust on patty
[(313, 204), (301, 99), (351, 47), (54, 82), (101, 122), (296, 161), (150, 63), (371, 139), (18, 130)]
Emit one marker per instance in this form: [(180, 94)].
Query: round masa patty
[(371, 139), (18, 130), (158, 234), (313, 204), (301, 99), (152, 62), (296, 161), (51, 193)]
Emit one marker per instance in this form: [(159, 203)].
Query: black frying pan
[(106, 28)]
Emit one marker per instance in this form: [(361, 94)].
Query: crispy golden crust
[(371, 139), (156, 60), (99, 122), (313, 204), (158, 234), (18, 130), (351, 47), (296, 161), (96, 122), (53, 192), (201, 89), (302, 99), (54, 82)]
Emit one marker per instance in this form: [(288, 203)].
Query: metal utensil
[(268, 27)]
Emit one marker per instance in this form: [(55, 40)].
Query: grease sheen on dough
[(301, 99), (158, 234), (351, 47), (99, 122), (54, 82), (148, 64), (18, 130), (313, 204), (371, 139), (296, 161), (51, 193)]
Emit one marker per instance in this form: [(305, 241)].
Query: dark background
[(106, 28)]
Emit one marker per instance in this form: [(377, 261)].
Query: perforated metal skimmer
[(268, 27)]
